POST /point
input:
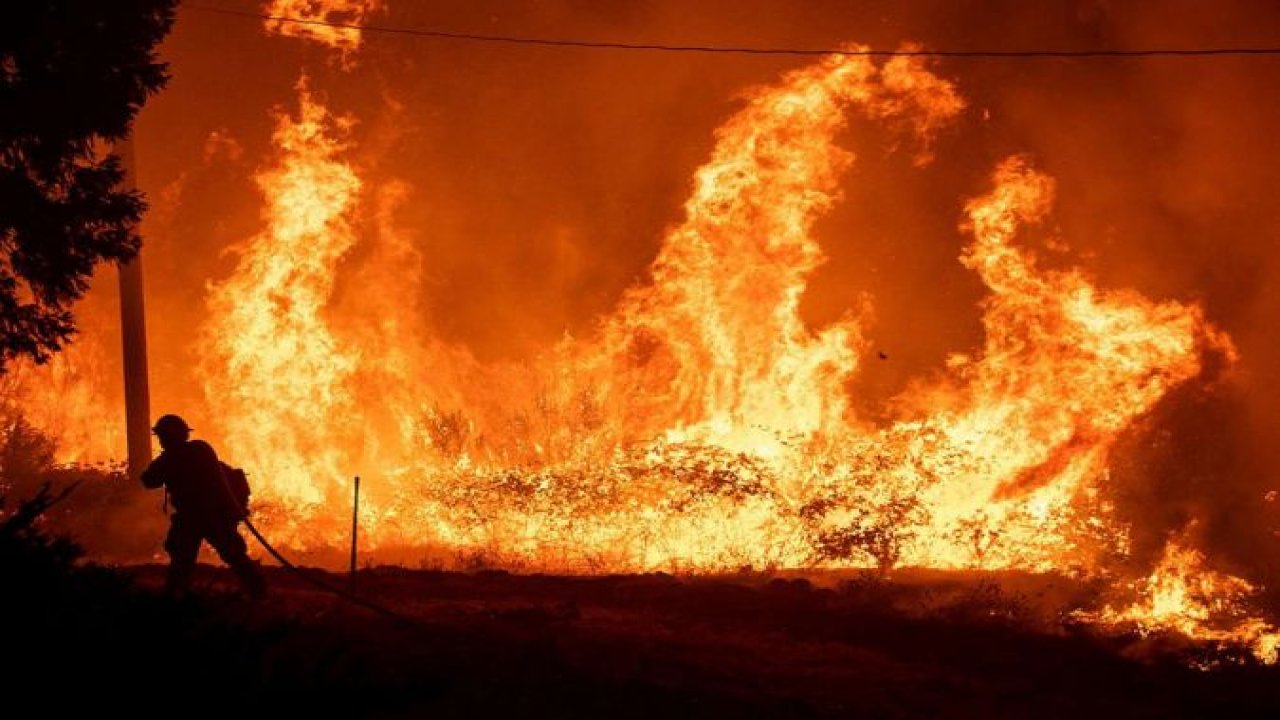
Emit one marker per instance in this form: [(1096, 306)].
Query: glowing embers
[(1182, 595)]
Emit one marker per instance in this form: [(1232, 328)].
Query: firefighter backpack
[(238, 485)]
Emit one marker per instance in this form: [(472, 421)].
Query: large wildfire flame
[(702, 424), (708, 364)]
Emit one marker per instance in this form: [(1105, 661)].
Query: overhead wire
[(747, 50)]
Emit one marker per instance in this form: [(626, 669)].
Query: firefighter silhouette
[(206, 507)]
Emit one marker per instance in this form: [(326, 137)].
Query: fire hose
[(321, 584), (347, 595)]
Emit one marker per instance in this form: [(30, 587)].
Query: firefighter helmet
[(170, 424)]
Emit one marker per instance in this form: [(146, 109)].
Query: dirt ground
[(494, 644)]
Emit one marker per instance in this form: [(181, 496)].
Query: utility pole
[(133, 336), (355, 531)]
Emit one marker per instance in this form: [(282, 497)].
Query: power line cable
[(728, 49)]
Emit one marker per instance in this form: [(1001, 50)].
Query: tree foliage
[(73, 75)]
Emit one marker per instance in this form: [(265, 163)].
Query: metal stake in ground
[(355, 529)]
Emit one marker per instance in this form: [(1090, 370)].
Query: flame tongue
[(725, 350), (277, 375), (332, 23), (1065, 368)]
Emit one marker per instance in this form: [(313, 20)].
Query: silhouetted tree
[(73, 74)]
